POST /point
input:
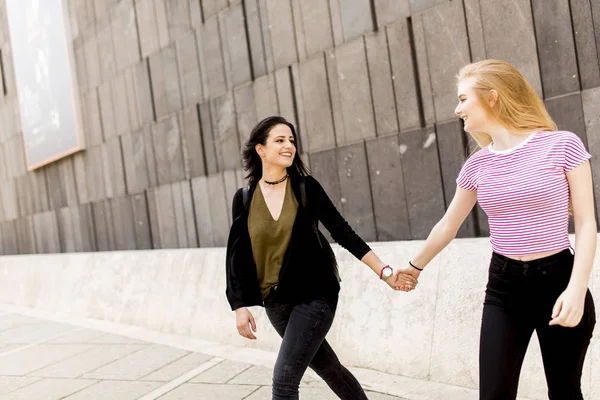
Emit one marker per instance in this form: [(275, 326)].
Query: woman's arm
[(568, 309), (444, 231), (323, 208)]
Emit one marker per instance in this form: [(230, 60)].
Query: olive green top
[(270, 238)]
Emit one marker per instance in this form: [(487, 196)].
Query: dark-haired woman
[(277, 258)]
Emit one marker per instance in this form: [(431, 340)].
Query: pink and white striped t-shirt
[(524, 191)]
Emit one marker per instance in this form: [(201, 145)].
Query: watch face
[(386, 273)]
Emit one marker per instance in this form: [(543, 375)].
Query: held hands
[(404, 278), (568, 308), (245, 324)]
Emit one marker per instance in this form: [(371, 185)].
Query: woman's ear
[(493, 98), (259, 150)]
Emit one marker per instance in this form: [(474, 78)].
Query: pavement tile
[(178, 367), (115, 339), (49, 389), (30, 333), (31, 359), (115, 390), (11, 383), (77, 337), (209, 392), (222, 372), (138, 364), (11, 321), (86, 362)]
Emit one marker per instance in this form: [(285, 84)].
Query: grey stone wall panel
[(335, 95), (162, 24), (324, 167), (143, 94), (120, 104), (316, 105), (26, 235), (505, 23), (422, 179), (357, 18), (141, 221), (167, 150), (193, 152), (387, 185), (285, 95), (255, 37), (283, 40), (113, 168), (106, 51), (389, 11), (146, 22), (105, 98), (103, 225), (587, 52), (452, 157), (200, 196), (422, 59), (189, 72), (556, 48), (134, 160), (91, 118), (208, 138), (8, 195), (125, 35), (417, 6), (123, 223), (448, 51), (219, 206), (315, 20), (90, 46), (403, 75), (236, 46), (265, 96), (46, 232), (380, 73), (245, 110), (150, 156), (567, 112), (475, 29), (212, 7), (166, 220), (165, 82), (225, 132), (211, 59), (10, 240), (591, 111), (178, 18), (355, 91)]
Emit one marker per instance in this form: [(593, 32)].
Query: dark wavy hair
[(259, 135)]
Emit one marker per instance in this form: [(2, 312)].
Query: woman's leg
[(326, 364), (563, 351), (303, 328), (502, 348)]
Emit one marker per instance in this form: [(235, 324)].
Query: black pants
[(519, 299), (303, 328)]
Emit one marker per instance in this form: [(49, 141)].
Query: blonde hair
[(518, 107)]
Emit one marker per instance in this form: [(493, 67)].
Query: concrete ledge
[(431, 333)]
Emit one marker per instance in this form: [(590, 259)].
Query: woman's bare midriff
[(531, 257)]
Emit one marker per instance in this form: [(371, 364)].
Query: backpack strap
[(245, 196)]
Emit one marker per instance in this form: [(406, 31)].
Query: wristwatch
[(386, 272)]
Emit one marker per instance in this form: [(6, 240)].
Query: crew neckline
[(514, 148)]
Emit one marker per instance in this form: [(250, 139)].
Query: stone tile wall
[(170, 90)]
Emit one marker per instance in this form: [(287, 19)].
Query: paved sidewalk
[(43, 357)]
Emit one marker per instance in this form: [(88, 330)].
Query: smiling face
[(280, 147), (471, 108)]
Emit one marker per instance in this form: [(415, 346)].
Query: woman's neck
[(503, 139), (273, 173)]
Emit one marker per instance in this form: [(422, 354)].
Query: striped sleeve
[(466, 176), (574, 152)]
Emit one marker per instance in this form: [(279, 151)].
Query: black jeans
[(303, 328), (519, 299)]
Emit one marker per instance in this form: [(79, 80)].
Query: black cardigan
[(309, 269)]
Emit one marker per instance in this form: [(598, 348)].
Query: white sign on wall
[(46, 83)]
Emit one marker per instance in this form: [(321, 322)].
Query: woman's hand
[(568, 308), (245, 324), (405, 278)]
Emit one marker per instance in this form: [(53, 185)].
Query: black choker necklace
[(277, 182)]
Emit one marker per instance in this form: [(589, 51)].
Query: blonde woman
[(525, 176)]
